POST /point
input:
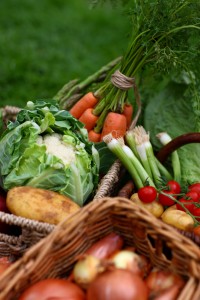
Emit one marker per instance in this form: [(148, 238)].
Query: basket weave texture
[(55, 255), (32, 231)]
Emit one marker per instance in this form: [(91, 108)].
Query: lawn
[(44, 44)]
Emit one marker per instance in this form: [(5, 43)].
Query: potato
[(154, 207), (39, 204), (178, 218)]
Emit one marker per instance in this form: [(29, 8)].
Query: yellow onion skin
[(86, 269)]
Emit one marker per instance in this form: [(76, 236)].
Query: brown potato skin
[(40, 204)]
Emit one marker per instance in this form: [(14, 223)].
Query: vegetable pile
[(110, 270), (152, 185), (47, 148), (54, 145)]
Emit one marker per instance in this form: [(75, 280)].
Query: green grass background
[(46, 43)]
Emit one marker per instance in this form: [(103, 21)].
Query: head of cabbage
[(48, 148)]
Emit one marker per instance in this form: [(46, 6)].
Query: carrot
[(128, 112), (87, 101), (88, 119), (94, 136), (114, 123), (127, 190)]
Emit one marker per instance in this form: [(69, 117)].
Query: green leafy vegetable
[(47, 148), (169, 109)]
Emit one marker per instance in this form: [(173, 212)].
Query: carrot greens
[(162, 36)]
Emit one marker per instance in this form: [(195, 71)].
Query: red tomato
[(53, 288), (147, 194), (165, 200), (196, 213), (195, 187), (192, 195), (189, 200), (174, 186), (187, 203)]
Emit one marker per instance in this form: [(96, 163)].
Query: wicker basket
[(55, 255), (30, 232)]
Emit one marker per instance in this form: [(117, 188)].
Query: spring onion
[(129, 160), (165, 138)]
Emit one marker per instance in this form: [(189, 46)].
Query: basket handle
[(179, 141)]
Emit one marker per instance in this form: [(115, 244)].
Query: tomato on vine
[(186, 204), (196, 213), (147, 194), (188, 200), (164, 197), (195, 187), (174, 186)]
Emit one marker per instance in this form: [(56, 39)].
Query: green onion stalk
[(165, 138), (139, 142), (159, 39), (129, 160)]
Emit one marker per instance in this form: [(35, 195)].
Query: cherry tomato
[(174, 186), (165, 200), (192, 195), (196, 213), (195, 187), (189, 200), (147, 194), (189, 204)]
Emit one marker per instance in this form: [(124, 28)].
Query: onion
[(53, 289), (86, 269), (117, 285), (168, 294), (128, 260), (106, 246), (160, 280)]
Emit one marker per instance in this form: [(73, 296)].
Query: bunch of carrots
[(108, 109), (115, 122)]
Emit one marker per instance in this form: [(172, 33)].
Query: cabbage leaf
[(23, 161)]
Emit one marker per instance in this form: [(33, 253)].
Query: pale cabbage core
[(57, 147)]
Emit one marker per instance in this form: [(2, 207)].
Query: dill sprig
[(163, 36)]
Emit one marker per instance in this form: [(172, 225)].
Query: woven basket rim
[(26, 223), (62, 236)]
